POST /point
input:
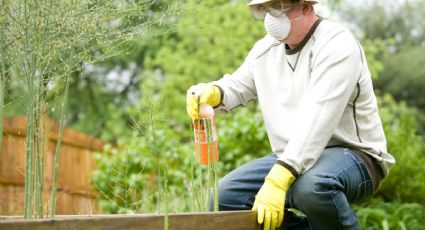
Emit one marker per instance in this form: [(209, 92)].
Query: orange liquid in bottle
[(205, 136)]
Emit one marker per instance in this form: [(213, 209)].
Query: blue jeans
[(323, 193)]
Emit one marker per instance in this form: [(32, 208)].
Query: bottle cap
[(206, 111)]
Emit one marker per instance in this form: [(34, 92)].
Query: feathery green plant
[(147, 165), (51, 40)]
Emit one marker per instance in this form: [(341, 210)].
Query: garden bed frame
[(235, 220)]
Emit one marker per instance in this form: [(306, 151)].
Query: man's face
[(295, 15), (285, 19)]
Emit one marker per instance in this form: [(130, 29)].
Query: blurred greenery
[(139, 86), (399, 25), (378, 214)]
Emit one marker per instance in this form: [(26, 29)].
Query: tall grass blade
[(58, 148), (38, 190), (165, 196), (3, 8), (29, 155)]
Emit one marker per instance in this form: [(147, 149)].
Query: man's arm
[(239, 88)]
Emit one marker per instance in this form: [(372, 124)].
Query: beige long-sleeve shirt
[(317, 95)]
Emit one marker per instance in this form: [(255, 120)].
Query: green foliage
[(242, 137), (119, 177), (141, 158), (128, 179), (377, 215), (403, 76), (405, 182)]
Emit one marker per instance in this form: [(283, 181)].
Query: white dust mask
[(278, 27)]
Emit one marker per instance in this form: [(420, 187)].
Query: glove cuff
[(215, 97), (280, 176), (287, 166), (220, 90)]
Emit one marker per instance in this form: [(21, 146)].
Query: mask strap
[(297, 18)]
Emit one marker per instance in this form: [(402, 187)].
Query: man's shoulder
[(334, 34), (263, 45), (329, 27)]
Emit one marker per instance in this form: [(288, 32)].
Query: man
[(314, 88)]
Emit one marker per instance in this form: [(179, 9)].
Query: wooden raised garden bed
[(235, 220)]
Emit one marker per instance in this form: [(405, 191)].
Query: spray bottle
[(204, 130)]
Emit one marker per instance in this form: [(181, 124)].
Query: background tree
[(399, 24)]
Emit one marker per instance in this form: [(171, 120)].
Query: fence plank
[(235, 220), (16, 125), (75, 193)]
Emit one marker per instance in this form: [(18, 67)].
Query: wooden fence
[(75, 194)]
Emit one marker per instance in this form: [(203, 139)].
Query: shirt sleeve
[(335, 71), (237, 88)]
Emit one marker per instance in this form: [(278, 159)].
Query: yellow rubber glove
[(270, 200), (207, 93)]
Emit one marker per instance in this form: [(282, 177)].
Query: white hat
[(256, 2)]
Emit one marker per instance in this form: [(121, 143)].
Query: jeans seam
[(337, 210), (246, 201), (340, 171), (366, 177), (357, 162)]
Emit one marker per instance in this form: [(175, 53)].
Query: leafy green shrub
[(377, 214), (130, 177), (242, 137), (128, 180), (119, 177), (403, 76), (406, 181)]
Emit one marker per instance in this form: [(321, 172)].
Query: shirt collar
[(305, 40)]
